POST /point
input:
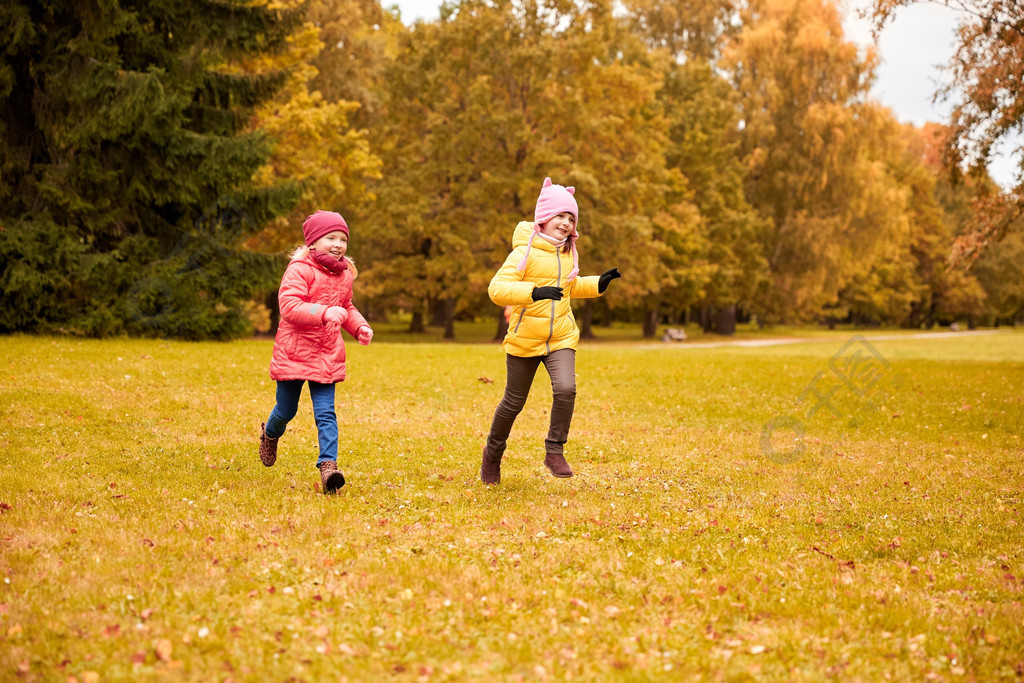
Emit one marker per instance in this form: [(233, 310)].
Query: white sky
[(913, 50)]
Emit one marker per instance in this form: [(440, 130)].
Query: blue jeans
[(288, 392)]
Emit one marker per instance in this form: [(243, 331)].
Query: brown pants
[(561, 367)]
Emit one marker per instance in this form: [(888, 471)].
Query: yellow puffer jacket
[(537, 328)]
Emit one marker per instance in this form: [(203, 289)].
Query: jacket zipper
[(551, 325)]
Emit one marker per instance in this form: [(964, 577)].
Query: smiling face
[(333, 243), (560, 226)]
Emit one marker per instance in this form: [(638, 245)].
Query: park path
[(805, 340)]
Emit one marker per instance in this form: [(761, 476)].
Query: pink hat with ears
[(553, 200)]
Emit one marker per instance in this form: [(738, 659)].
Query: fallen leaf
[(164, 649)]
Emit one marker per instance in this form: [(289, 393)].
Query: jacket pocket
[(289, 343)]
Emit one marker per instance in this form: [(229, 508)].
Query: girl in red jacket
[(316, 304)]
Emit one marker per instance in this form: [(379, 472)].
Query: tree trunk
[(586, 328), (438, 312), (502, 330), (970, 322), (275, 311), (651, 322), (705, 319), (449, 317), (416, 324), (726, 320)]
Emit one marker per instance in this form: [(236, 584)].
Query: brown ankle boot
[(268, 447), (331, 478), (557, 464), (490, 469)]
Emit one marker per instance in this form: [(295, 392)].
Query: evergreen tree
[(126, 165)]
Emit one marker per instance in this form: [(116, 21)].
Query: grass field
[(838, 508)]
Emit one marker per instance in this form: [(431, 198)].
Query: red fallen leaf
[(139, 658), (485, 379), (148, 543), (111, 631), (73, 530), (112, 485), (317, 597), (722, 589), (5, 507), (271, 589), (146, 613)]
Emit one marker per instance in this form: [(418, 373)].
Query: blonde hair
[(302, 250)]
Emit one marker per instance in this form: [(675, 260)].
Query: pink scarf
[(328, 262)]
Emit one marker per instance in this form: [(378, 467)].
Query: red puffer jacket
[(306, 347)]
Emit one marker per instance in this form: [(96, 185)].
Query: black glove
[(606, 277), (547, 293)]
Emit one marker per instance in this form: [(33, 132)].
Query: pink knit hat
[(553, 200), (322, 223)]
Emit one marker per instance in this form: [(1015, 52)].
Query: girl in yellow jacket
[(537, 280)]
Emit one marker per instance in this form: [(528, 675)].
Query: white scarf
[(552, 240)]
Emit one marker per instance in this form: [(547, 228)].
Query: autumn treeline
[(727, 158)]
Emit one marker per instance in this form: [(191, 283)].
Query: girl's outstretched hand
[(364, 334), (336, 314), (606, 277)]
